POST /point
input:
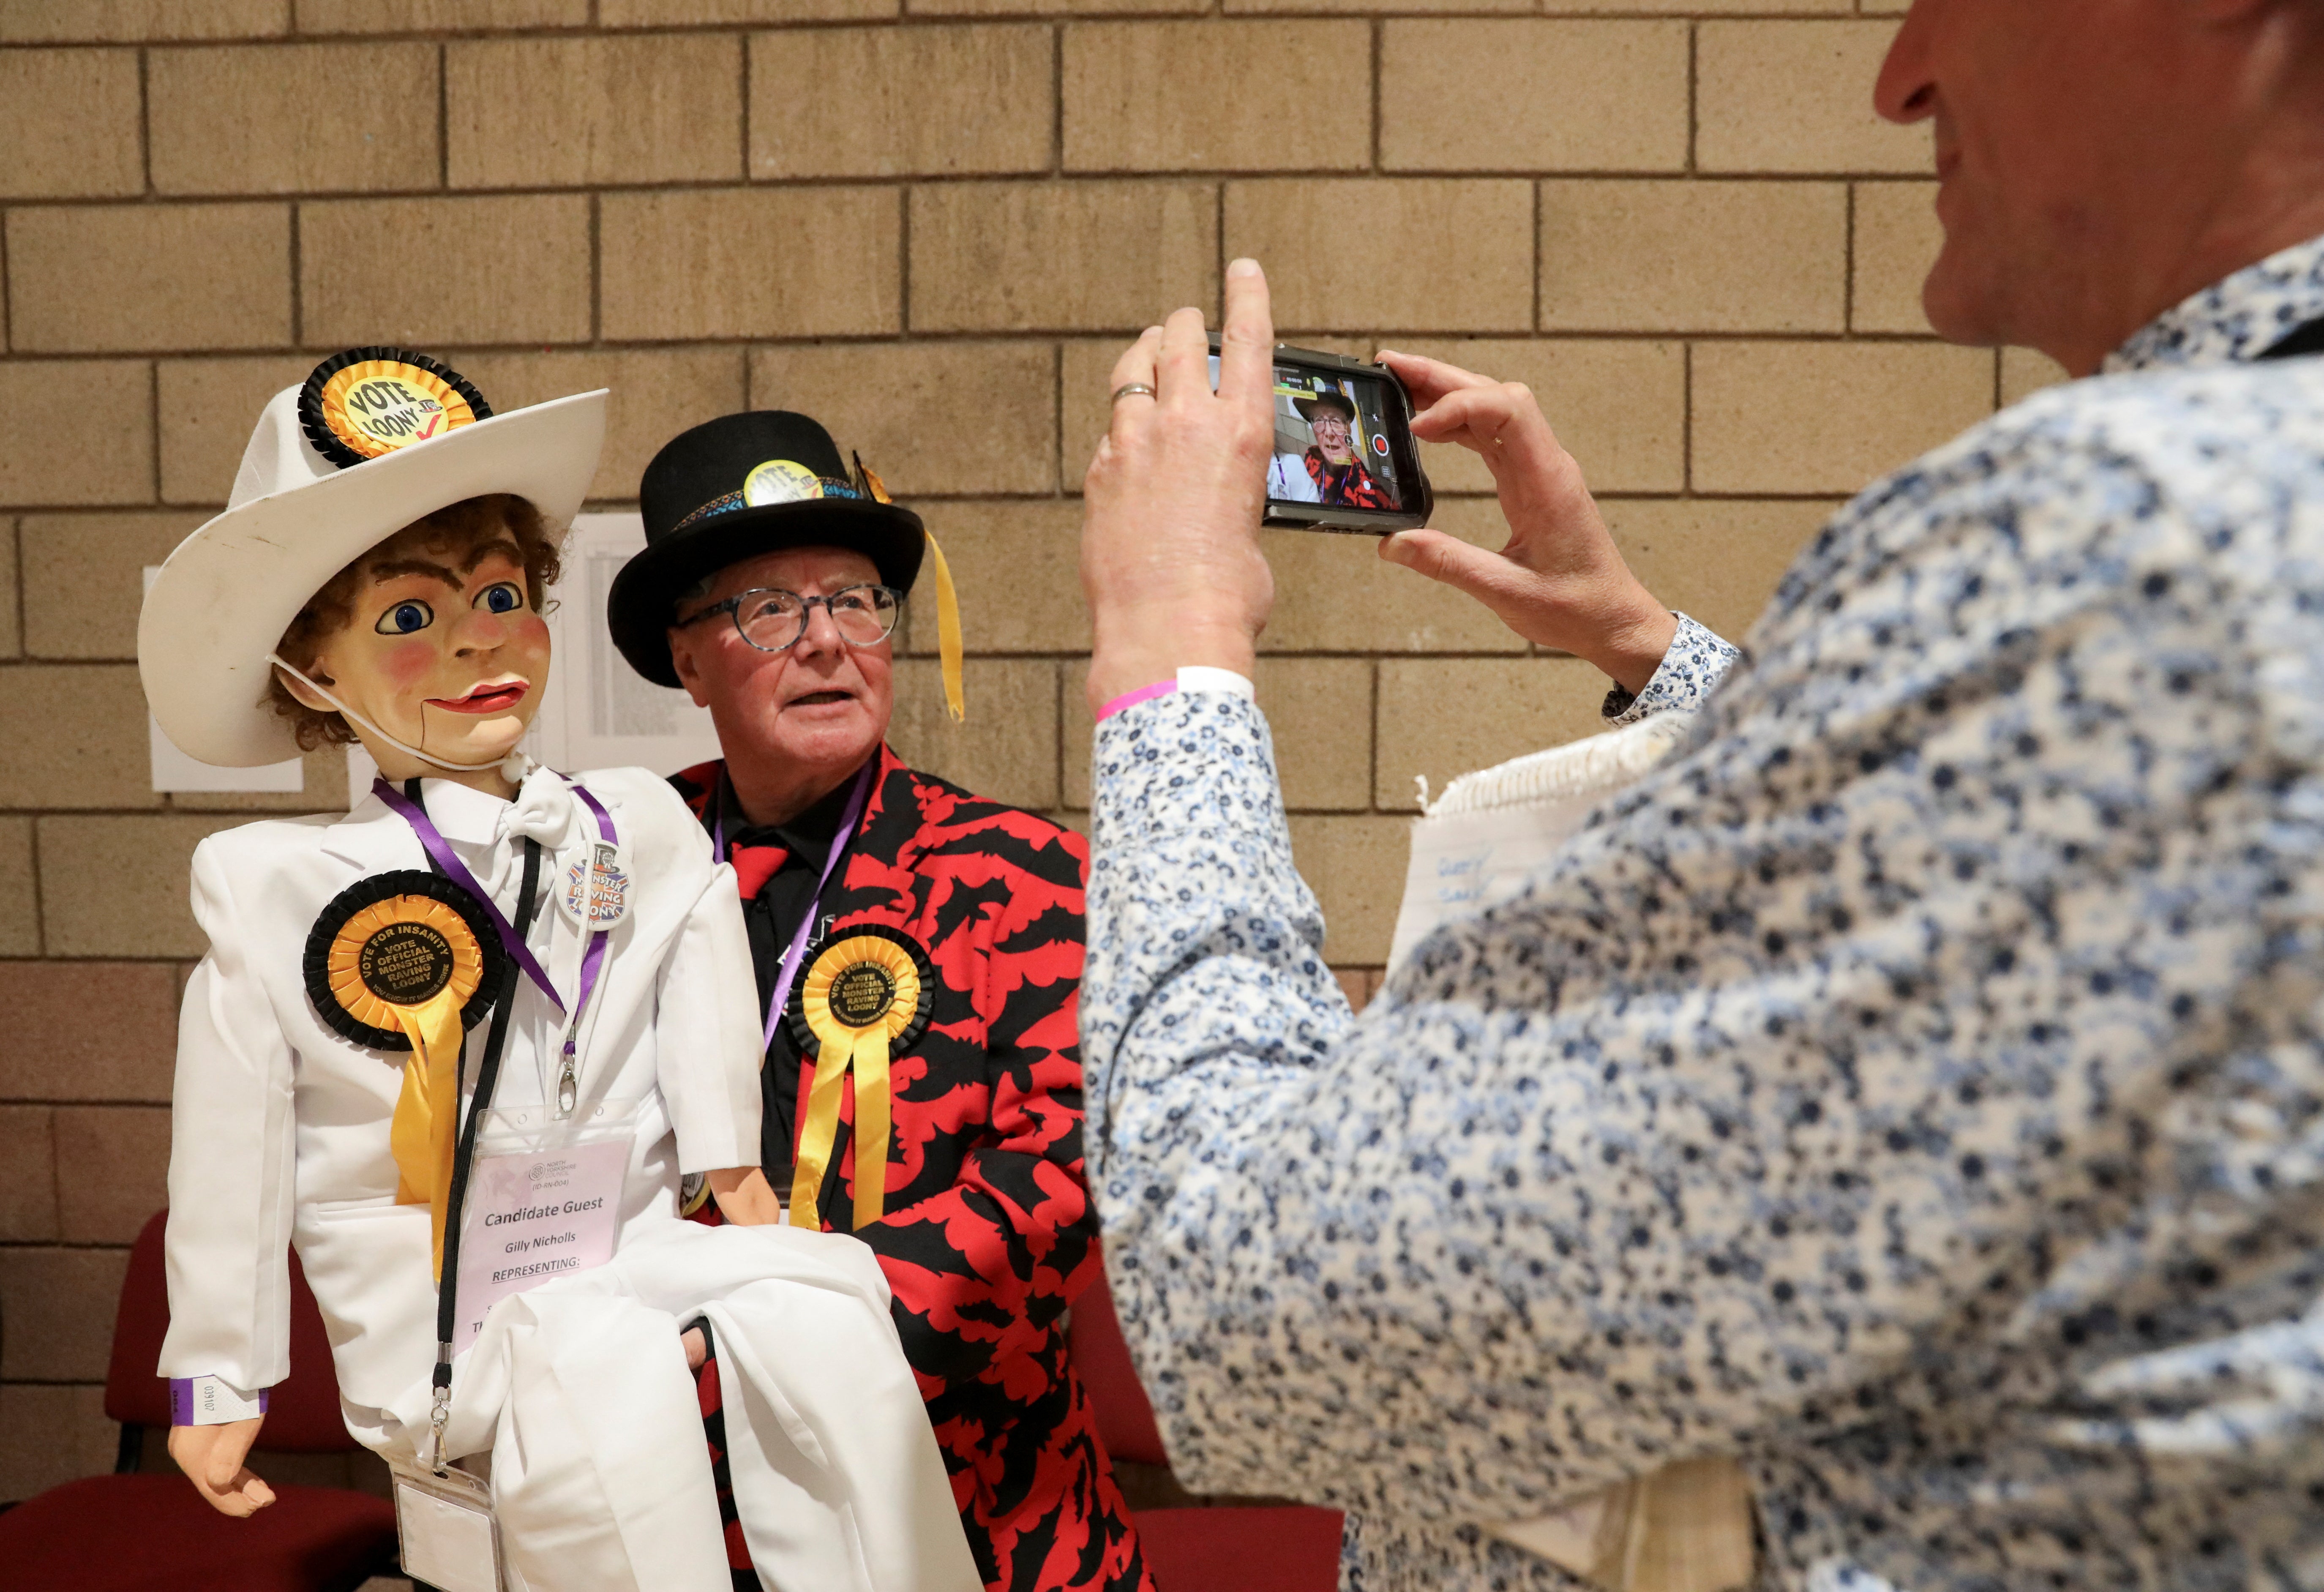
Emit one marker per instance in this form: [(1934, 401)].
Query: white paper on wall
[(599, 712)]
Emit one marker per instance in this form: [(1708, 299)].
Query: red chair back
[(1125, 1420), (302, 1414)]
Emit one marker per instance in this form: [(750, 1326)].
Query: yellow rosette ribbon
[(410, 964), (948, 635), (862, 994)]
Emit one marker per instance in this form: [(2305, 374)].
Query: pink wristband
[(1160, 687)]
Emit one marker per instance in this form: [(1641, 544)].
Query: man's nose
[(822, 633)]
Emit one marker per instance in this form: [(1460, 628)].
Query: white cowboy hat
[(297, 518)]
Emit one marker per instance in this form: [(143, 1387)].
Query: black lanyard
[(488, 1072), (2301, 340)]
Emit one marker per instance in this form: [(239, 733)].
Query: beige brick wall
[(931, 223)]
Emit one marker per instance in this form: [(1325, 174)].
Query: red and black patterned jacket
[(988, 1232), (1349, 485)]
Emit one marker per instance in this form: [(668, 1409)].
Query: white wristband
[(207, 1401)]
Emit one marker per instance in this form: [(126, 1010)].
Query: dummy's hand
[(745, 1197), (212, 1458), (1560, 582), (1170, 558), (698, 1347)]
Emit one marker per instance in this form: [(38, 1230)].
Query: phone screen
[(1337, 442)]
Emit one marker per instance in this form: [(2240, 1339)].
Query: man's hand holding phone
[(1560, 582), (1170, 558)]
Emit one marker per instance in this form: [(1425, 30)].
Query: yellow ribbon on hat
[(859, 994), (403, 942), (948, 643), (947, 630)]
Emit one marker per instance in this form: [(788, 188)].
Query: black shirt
[(772, 916)]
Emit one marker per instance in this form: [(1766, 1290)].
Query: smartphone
[(1343, 454)]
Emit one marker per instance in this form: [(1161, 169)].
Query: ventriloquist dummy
[(919, 952), (504, 1286)]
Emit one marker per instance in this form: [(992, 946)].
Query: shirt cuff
[(210, 1400), (1696, 660), (1192, 676)]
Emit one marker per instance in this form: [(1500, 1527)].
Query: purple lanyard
[(431, 839), (789, 969)]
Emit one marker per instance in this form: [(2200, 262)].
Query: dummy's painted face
[(821, 704), (444, 651), (1330, 430)]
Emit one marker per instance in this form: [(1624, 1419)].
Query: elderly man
[(918, 952), (1913, 1087), (1338, 476)]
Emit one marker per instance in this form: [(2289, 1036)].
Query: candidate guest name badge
[(367, 403), (596, 893), (544, 1201)]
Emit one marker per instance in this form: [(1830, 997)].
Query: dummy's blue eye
[(406, 618), (502, 598)]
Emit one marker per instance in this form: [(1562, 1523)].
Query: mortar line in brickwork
[(1219, 254), (1077, 178), (1057, 747), (1057, 100), (298, 320), (1379, 30), (742, 77), (442, 122), (17, 574), (144, 123), (596, 273), (7, 328), (1848, 263), (104, 1103), (1686, 418), (1372, 782), (1538, 262), (40, 901), (154, 418), (903, 259), (1057, 411), (1024, 334), (1694, 108)]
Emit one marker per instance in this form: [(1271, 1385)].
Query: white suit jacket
[(280, 1126)]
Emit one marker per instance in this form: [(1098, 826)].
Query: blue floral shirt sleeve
[(1696, 661), (1913, 1087)]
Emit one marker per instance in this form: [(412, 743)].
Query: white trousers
[(600, 1479)]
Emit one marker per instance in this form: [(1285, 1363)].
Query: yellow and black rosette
[(863, 1000), (369, 401), (409, 961)]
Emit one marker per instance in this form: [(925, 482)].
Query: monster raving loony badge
[(595, 893), (367, 403), (395, 945)]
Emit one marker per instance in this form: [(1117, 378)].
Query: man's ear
[(690, 672)]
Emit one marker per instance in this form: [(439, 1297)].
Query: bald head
[(2101, 160)]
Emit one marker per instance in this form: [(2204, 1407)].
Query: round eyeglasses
[(773, 619)]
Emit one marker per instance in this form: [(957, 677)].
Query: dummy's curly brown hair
[(464, 530)]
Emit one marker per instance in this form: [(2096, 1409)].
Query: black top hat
[(1331, 398), (737, 486)]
